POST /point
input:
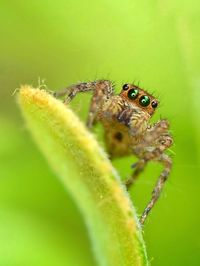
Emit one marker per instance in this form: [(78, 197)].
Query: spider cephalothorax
[(139, 97), (125, 117)]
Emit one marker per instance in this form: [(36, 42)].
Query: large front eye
[(144, 100), (133, 94)]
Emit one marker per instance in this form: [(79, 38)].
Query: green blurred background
[(63, 42)]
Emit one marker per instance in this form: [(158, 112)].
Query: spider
[(125, 118)]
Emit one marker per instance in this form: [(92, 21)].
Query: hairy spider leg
[(139, 167), (155, 142), (102, 90), (157, 132), (166, 161)]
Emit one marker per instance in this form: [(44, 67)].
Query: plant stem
[(87, 174)]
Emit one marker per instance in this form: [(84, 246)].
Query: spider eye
[(132, 94), (154, 104), (144, 100), (125, 87)]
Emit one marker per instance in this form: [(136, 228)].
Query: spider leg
[(166, 161), (139, 167), (156, 140), (71, 91), (102, 90), (155, 133)]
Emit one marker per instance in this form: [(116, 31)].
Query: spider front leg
[(157, 154), (152, 147), (139, 167), (102, 90), (156, 135), (166, 161)]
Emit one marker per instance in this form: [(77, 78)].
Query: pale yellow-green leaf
[(87, 174)]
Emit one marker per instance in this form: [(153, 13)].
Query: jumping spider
[(125, 118)]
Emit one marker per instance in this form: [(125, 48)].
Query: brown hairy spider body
[(125, 118)]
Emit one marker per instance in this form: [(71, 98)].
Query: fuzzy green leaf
[(87, 174)]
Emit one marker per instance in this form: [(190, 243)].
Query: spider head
[(139, 97)]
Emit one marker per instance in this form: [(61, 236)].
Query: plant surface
[(87, 174)]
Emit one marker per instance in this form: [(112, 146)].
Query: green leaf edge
[(88, 175)]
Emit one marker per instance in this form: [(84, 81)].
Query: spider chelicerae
[(125, 118)]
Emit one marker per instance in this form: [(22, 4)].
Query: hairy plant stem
[(87, 174)]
